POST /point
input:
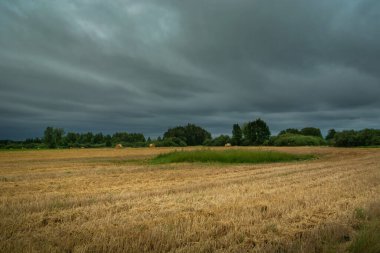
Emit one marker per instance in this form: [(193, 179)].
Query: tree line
[(253, 133), (54, 137)]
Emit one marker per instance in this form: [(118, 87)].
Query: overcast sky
[(144, 66)]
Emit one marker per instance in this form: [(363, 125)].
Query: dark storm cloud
[(148, 65)]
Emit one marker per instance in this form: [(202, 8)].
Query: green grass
[(227, 156), (368, 237)]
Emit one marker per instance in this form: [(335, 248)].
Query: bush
[(352, 138), (132, 144), (170, 142), (296, 140), (346, 139), (218, 141), (290, 131), (308, 131)]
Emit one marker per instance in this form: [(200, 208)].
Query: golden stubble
[(112, 200)]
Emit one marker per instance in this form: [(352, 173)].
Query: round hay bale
[(227, 145), (118, 146), (152, 145)]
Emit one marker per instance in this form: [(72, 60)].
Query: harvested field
[(113, 200)]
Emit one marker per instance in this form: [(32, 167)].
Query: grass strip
[(228, 156)]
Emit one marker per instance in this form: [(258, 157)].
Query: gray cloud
[(147, 65)]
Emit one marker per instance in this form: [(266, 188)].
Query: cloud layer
[(144, 66)]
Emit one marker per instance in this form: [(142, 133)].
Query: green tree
[(124, 137), (49, 138), (177, 132), (347, 138), (98, 138), (72, 139), (237, 134), (108, 140), (136, 137), (364, 137), (86, 138), (256, 132), (53, 137), (290, 131), (330, 134), (191, 134), (311, 131), (196, 135), (218, 141)]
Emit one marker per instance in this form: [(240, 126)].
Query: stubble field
[(113, 200)]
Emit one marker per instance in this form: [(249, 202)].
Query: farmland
[(114, 200)]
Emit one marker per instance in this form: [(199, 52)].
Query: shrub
[(352, 138), (170, 142), (132, 144), (218, 141), (296, 140), (290, 131)]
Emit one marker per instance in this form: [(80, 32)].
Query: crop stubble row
[(83, 200)]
